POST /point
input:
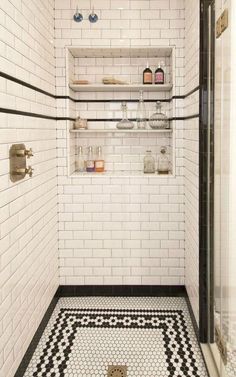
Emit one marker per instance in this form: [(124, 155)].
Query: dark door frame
[(206, 173)]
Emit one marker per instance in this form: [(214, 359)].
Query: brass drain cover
[(117, 371)]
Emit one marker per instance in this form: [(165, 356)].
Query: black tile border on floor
[(102, 290), (192, 316), (121, 290), (36, 338), (171, 322)]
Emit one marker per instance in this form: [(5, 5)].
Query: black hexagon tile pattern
[(150, 337)]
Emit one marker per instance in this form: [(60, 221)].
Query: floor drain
[(117, 371)]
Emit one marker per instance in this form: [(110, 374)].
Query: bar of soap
[(80, 82), (113, 81)]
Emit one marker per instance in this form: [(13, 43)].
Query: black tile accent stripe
[(26, 113), (33, 87), (42, 116), (23, 83), (33, 115), (192, 91), (129, 100), (134, 119), (186, 117), (65, 118)]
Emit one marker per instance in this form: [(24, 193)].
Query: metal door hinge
[(222, 23)]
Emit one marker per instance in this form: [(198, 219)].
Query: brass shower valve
[(24, 171), (17, 156)]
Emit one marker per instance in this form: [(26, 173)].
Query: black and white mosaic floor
[(152, 337)]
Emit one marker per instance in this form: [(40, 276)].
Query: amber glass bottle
[(147, 75)]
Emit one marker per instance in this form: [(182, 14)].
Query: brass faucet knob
[(29, 171), (29, 153)]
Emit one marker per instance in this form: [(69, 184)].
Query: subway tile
[(103, 222)]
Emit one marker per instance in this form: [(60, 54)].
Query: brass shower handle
[(24, 152), (24, 171)]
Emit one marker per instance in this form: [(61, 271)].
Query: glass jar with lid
[(124, 123), (163, 162), (158, 120), (149, 163)]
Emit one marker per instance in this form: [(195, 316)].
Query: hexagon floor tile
[(149, 337)]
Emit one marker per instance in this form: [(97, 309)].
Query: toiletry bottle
[(147, 75), (99, 161), (149, 163), (159, 75), (158, 120), (141, 112), (90, 160), (80, 163), (124, 123), (163, 162)]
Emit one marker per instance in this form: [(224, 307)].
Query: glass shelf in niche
[(120, 88), (147, 130), (120, 173)]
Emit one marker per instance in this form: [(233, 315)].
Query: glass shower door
[(225, 193)]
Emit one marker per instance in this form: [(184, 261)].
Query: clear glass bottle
[(99, 161), (141, 113), (90, 160), (124, 123), (80, 162), (163, 162), (149, 163), (158, 120)]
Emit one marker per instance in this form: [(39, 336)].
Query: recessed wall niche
[(100, 104)]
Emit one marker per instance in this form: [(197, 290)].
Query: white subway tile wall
[(28, 209), (119, 229), (191, 154)]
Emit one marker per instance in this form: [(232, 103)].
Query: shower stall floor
[(147, 336)]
